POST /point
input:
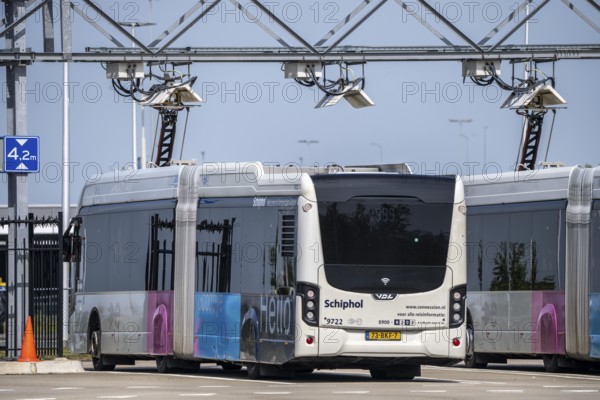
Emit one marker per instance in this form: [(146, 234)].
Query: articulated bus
[(534, 267), (277, 269)]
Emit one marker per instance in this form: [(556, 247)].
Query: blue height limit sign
[(21, 154)]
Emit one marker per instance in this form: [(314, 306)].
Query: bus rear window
[(372, 231)]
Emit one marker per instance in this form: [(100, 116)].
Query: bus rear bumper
[(444, 344)]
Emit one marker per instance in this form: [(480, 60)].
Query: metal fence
[(44, 280)]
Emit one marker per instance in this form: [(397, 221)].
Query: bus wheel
[(253, 370), (163, 365), (98, 360), (471, 363), (471, 357), (551, 362)]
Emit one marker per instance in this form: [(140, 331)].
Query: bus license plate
[(379, 335)]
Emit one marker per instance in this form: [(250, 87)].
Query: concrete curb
[(56, 366)]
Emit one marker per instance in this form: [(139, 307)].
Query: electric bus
[(534, 267), (278, 269)]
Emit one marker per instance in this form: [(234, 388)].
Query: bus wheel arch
[(470, 356), (250, 336), (160, 330), (93, 327), (95, 343), (548, 330)]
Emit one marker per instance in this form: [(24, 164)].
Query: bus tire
[(551, 362), (253, 370), (163, 365), (98, 360), (471, 363), (471, 357)]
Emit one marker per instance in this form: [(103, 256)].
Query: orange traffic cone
[(28, 353)]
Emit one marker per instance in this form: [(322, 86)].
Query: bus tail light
[(456, 342), (310, 303), (458, 294)]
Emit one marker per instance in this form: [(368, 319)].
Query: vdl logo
[(384, 296)]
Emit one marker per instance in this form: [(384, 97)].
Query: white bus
[(275, 268), (534, 267)]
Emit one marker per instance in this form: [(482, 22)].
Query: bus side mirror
[(72, 241)]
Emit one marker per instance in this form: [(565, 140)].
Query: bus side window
[(72, 241)]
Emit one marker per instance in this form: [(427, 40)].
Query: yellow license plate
[(379, 335)]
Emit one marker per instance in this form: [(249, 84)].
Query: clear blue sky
[(252, 113)]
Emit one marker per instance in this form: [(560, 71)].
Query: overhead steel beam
[(23, 18), (285, 26), (450, 25), (306, 52), (188, 26), (355, 26), (262, 26), (424, 22), (520, 24), (48, 27), (178, 22), (581, 15), (594, 4), (96, 26), (65, 29), (295, 54), (344, 21), (505, 22), (116, 25)]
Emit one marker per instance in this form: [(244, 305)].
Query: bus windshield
[(385, 231), (385, 235)]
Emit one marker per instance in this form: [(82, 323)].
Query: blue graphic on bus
[(217, 326)]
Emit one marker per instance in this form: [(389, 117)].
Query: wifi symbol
[(385, 281)]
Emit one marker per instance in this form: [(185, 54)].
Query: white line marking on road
[(558, 386), (428, 391), (42, 398), (352, 392), (505, 391), (562, 386), (278, 393), (502, 371), (143, 387), (7, 390), (213, 386), (580, 391), (67, 388), (427, 378), (216, 378), (338, 372)]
